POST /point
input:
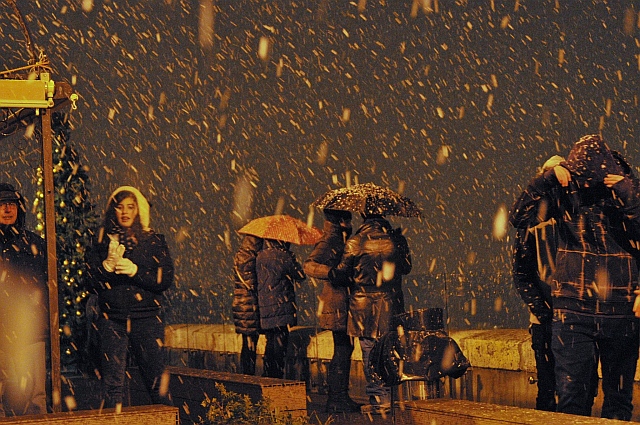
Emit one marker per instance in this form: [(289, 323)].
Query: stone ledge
[(189, 387), (445, 411), (504, 349), (508, 349), (139, 415)]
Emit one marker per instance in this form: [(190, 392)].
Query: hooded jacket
[(325, 255), (120, 296), (598, 230), (374, 261), (277, 270), (23, 287)]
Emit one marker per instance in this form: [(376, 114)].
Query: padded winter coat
[(277, 271), (120, 296), (374, 261), (246, 314), (325, 255)]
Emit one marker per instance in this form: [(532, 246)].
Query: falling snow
[(224, 111)]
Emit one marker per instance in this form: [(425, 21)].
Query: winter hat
[(143, 204), (8, 193), (590, 160)]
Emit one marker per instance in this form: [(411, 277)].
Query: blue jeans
[(578, 340)]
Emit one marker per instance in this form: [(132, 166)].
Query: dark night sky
[(456, 105)]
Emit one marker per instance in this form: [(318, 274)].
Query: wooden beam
[(52, 269)]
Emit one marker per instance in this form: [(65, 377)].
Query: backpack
[(417, 352)]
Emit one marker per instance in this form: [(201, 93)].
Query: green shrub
[(235, 409)]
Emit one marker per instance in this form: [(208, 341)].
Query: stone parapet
[(507, 349), (462, 412)]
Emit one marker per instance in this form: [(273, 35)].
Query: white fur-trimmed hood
[(143, 204)]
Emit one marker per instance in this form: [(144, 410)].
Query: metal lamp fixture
[(33, 94)]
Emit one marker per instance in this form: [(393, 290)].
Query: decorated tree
[(75, 218)]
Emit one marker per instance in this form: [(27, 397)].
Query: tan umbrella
[(283, 228)]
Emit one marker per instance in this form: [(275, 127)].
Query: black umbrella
[(367, 199)]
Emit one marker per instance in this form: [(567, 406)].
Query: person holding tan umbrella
[(271, 287), (246, 316)]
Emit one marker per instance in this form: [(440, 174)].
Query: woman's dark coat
[(120, 296), (325, 255), (277, 270)]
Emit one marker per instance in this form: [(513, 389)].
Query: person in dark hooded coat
[(595, 277), (23, 310), (277, 271), (375, 259), (534, 260), (246, 313), (334, 307), (129, 266)]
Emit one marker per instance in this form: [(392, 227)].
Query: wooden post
[(52, 269)]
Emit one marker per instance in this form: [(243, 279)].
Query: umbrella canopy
[(283, 228), (368, 198)]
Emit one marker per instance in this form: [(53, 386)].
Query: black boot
[(344, 385), (338, 381)]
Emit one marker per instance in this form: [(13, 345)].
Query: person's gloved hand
[(126, 266), (115, 253), (561, 174)]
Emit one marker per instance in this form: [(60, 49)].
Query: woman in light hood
[(129, 267)]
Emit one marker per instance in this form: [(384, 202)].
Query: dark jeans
[(578, 340), (248, 354), (340, 367), (144, 339), (545, 365), (275, 351), (375, 389)]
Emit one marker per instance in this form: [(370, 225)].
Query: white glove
[(115, 253), (126, 266)]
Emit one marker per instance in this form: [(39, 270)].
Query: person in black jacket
[(597, 208), (374, 260), (129, 266), (334, 305), (277, 271), (23, 310), (246, 315)]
